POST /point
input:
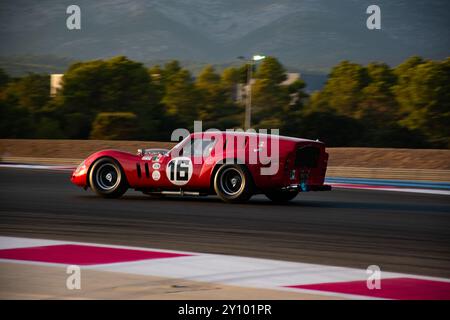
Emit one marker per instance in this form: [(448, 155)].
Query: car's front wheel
[(281, 196), (107, 179), (233, 183)]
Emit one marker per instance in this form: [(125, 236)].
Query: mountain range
[(309, 35)]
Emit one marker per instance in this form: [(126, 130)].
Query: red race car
[(233, 165)]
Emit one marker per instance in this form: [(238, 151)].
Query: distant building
[(291, 77), (55, 83), (242, 89)]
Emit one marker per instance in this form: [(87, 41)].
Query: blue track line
[(393, 183)]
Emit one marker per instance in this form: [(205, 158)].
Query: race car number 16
[(179, 170)]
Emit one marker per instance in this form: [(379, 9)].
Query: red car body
[(301, 164)]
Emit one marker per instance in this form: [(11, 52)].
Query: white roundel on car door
[(179, 170), (156, 175)]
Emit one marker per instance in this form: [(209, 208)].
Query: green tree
[(4, 78), (114, 126), (15, 122), (23, 103), (217, 109), (402, 70), (294, 111), (399, 107), (208, 77), (343, 90), (271, 70), (377, 101), (231, 77), (31, 92), (269, 98), (49, 128), (423, 93), (156, 77), (113, 85), (269, 101), (334, 129), (171, 69), (181, 99)]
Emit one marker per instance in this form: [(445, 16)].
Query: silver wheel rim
[(231, 182), (107, 177)]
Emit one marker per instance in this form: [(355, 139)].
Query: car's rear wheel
[(233, 183), (107, 179), (281, 195)]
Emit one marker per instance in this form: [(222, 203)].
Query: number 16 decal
[(179, 170)]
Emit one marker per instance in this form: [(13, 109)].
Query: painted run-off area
[(261, 274)]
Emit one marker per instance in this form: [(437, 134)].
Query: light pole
[(248, 99)]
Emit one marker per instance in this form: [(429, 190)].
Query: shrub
[(115, 126)]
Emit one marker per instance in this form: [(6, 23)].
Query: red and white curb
[(223, 269)]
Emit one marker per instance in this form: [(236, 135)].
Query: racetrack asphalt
[(399, 232)]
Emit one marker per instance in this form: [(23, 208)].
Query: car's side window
[(199, 147), (207, 146)]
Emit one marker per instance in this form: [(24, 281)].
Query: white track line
[(37, 167), (335, 184)]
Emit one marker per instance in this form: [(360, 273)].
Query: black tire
[(233, 183), (281, 196), (107, 179)]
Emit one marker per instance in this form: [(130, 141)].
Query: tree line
[(373, 105)]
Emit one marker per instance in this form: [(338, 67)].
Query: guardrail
[(347, 172)]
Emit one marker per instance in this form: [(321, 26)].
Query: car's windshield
[(179, 144)]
